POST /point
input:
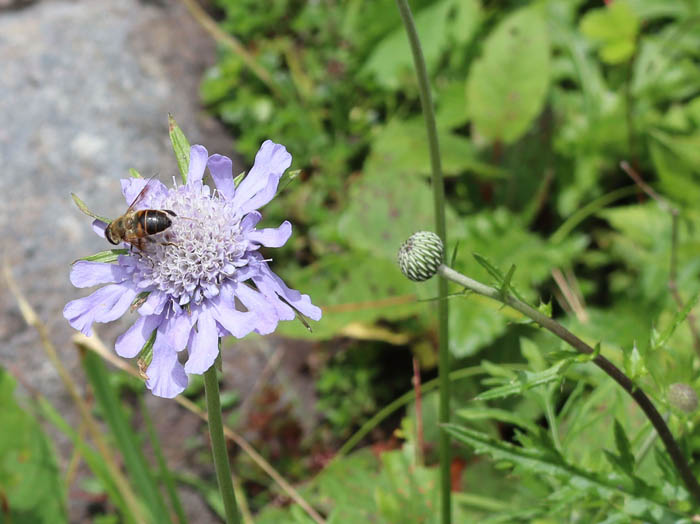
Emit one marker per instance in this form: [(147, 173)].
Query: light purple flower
[(204, 275)]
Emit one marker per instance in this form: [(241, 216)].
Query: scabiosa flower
[(202, 278)]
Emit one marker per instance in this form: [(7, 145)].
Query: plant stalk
[(603, 363), (439, 203), (218, 445)]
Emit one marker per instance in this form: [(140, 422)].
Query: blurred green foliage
[(537, 104)]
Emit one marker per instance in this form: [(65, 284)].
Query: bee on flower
[(205, 280)]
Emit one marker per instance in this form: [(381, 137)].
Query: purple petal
[(130, 343), (198, 162), (260, 185), (221, 169), (176, 329), (272, 237), (250, 221), (86, 274), (104, 305), (166, 376), (156, 192), (154, 303), (237, 323), (267, 280), (98, 226), (255, 302), (205, 345)]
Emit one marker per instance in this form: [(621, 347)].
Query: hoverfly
[(134, 226)]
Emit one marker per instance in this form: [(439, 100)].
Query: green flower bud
[(683, 397), (420, 256)]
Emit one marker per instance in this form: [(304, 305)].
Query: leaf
[(109, 256), (624, 450), (81, 205), (181, 147), (614, 27), (403, 145), (678, 319), (507, 86), (31, 487), (526, 380), (550, 464), (354, 289), (385, 208), (502, 415), (391, 60)]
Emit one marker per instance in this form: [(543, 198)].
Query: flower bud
[(683, 397), (420, 256)]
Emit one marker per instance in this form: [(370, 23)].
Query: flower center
[(203, 247)]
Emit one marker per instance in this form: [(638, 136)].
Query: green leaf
[(678, 319), (502, 415), (354, 289), (109, 256), (507, 86), (31, 487), (526, 380), (402, 146), (81, 205), (134, 174), (624, 449), (552, 465), (391, 61), (124, 436), (181, 147), (614, 27)]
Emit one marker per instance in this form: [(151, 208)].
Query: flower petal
[(237, 323), (98, 226), (86, 274), (104, 305), (260, 184), (255, 302), (250, 221), (154, 304), (221, 169), (267, 280), (166, 376), (156, 192), (176, 328), (205, 345), (130, 343), (272, 237), (198, 162)]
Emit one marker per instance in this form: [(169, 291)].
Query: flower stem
[(218, 445), (603, 363), (439, 204)]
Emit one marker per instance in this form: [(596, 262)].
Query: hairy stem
[(218, 446), (439, 202), (603, 363)]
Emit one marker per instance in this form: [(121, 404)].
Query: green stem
[(603, 363), (218, 445), (439, 202)]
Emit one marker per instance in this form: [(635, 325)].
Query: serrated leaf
[(507, 85), (624, 449), (550, 464), (109, 256), (526, 380), (677, 320), (502, 415), (81, 205), (181, 147)]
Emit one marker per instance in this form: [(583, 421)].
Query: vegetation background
[(538, 104)]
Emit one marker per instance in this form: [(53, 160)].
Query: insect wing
[(140, 196)]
